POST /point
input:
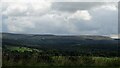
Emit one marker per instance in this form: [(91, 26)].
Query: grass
[(23, 56), (64, 61)]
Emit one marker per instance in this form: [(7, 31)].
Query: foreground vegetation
[(62, 61), (23, 56)]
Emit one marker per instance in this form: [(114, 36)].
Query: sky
[(60, 18)]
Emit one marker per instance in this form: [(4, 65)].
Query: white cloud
[(18, 24), (43, 18), (27, 1), (83, 14), (14, 9), (115, 36), (26, 9), (108, 6)]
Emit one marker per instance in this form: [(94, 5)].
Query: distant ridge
[(60, 42), (96, 37)]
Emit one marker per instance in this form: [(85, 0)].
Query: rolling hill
[(82, 43)]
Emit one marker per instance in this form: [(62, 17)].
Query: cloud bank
[(79, 18)]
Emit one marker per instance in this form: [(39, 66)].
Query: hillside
[(53, 39), (57, 50), (82, 43)]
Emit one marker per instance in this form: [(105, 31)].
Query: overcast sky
[(76, 18)]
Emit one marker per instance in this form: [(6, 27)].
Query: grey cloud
[(73, 6), (0, 17), (103, 22), (118, 17), (106, 21)]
